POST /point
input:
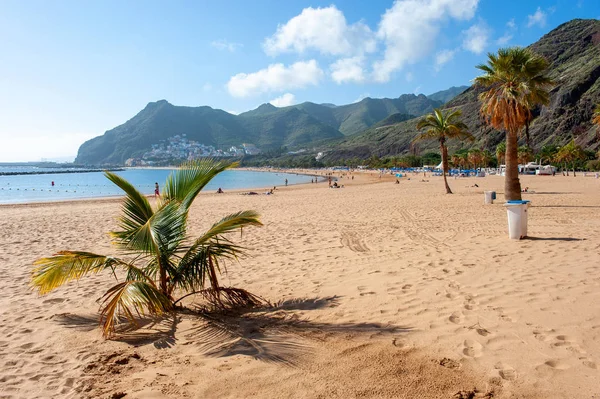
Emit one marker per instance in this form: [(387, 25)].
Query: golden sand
[(385, 290)]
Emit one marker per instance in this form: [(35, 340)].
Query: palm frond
[(131, 300), (186, 183), (54, 271), (230, 223), (136, 207)]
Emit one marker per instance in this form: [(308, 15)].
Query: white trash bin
[(490, 196), (517, 219)]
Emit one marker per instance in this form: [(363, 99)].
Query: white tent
[(439, 166)]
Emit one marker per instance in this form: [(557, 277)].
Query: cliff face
[(573, 51)]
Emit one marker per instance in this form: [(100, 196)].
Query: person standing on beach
[(286, 182), (156, 192)]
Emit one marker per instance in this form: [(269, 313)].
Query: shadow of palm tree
[(270, 333), (554, 239), (157, 331), (273, 333)]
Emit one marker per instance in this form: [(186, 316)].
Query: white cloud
[(361, 97), (321, 29), (348, 70), (276, 77), (409, 77), (443, 57), (284, 101), (207, 87), (476, 38), (409, 30), (507, 37), (538, 18), (223, 44)]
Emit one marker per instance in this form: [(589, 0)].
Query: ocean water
[(70, 186)]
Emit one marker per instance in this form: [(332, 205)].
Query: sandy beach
[(381, 290)]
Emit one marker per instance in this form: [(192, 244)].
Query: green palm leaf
[(132, 299), (204, 254), (186, 183), (65, 266)]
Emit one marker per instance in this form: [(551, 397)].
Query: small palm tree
[(516, 82), (442, 127), (160, 261)]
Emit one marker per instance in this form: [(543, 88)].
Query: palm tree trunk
[(444, 151), (163, 278), (512, 185)]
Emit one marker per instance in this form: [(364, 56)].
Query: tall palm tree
[(160, 261), (515, 83), (442, 127)]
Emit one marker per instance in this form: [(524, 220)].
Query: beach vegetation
[(596, 118), (514, 81), (443, 126), (159, 263), (570, 155)]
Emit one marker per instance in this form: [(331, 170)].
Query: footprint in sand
[(557, 364), (457, 318), (451, 364), (506, 371), (541, 334), (590, 363), (472, 348)]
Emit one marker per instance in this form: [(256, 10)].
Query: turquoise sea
[(69, 186)]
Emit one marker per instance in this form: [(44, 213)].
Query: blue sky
[(70, 70)]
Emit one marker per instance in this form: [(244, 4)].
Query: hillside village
[(179, 148)]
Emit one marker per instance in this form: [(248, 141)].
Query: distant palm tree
[(159, 259), (474, 157), (456, 161), (548, 153), (570, 154), (596, 119), (515, 83), (524, 154), (442, 127), (501, 152), (486, 158)]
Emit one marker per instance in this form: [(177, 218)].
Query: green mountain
[(446, 95), (573, 50), (354, 118), (267, 126)]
